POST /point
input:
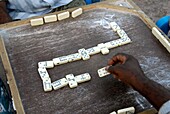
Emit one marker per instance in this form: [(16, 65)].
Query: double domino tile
[(54, 18), (71, 81), (104, 50), (82, 54)]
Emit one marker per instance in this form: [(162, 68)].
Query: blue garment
[(165, 109), (22, 9)]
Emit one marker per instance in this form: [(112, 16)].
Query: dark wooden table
[(26, 46)]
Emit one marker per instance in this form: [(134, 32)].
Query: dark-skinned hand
[(125, 68)]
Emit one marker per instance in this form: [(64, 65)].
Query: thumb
[(114, 69)]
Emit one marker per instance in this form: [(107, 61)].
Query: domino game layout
[(82, 54)]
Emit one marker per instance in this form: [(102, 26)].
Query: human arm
[(4, 16), (127, 69)]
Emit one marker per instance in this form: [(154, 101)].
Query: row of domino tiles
[(85, 54), (70, 80), (130, 110), (54, 18)]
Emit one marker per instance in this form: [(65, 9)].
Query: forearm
[(155, 93)]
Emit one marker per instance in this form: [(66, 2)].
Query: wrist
[(140, 82)]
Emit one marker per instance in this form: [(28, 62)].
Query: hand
[(126, 68)]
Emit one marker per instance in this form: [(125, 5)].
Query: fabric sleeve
[(165, 109)]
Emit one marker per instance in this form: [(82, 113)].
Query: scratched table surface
[(27, 45)]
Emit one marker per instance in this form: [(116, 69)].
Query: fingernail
[(107, 67)]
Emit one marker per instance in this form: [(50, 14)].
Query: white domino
[(161, 38), (130, 110), (83, 78), (50, 18), (46, 64), (59, 83), (121, 33), (104, 50), (111, 44), (43, 73), (114, 26), (122, 41), (77, 12), (119, 42), (36, 22), (93, 50), (60, 60), (74, 57), (71, 81), (63, 15), (84, 54), (125, 40), (113, 112), (102, 72), (101, 45), (47, 84)]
